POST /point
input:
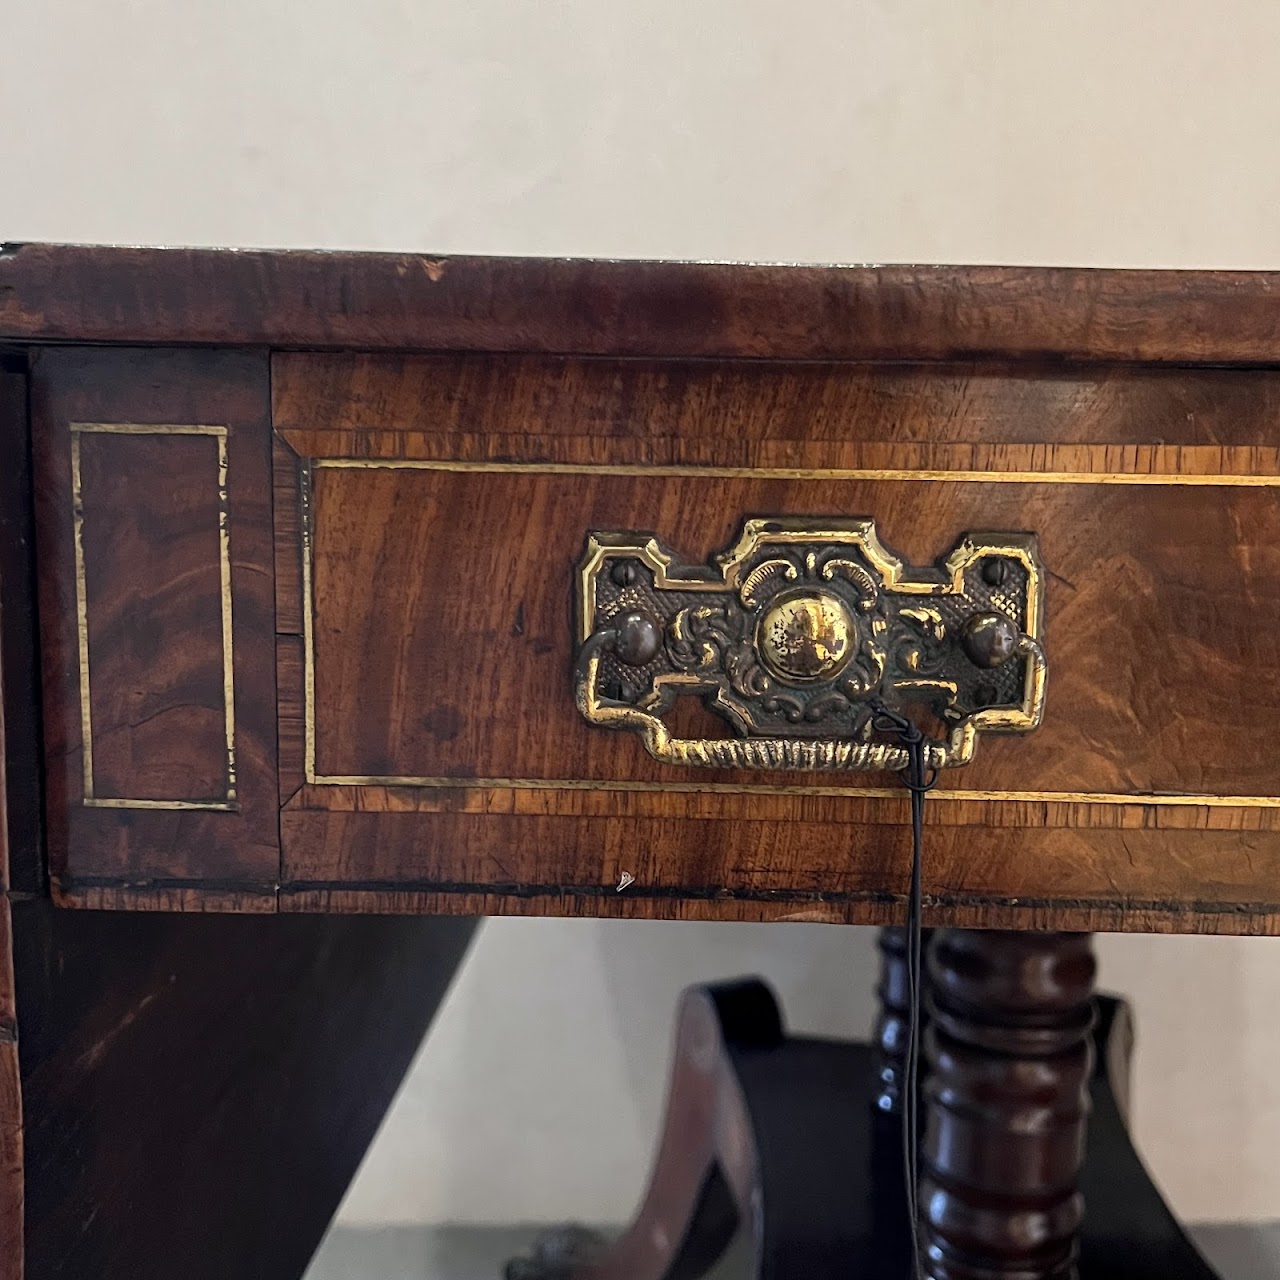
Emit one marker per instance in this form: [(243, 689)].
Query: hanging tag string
[(918, 781)]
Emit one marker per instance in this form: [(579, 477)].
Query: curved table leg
[(763, 1131), (787, 1137), (705, 1170)]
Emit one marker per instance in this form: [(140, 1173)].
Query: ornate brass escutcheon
[(800, 632)]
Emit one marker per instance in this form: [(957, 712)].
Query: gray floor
[(461, 1253), (446, 1253), (1241, 1252)]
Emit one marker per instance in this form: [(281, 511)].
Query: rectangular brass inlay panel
[(951, 794), (218, 434)]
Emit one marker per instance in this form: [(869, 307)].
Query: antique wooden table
[(324, 579)]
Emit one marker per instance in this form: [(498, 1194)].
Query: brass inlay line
[(693, 472), (225, 599), (782, 789), (219, 435), (82, 617), (147, 429), (308, 626), (112, 802), (722, 788)]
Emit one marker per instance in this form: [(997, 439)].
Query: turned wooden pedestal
[(1006, 1103), (1028, 1171)]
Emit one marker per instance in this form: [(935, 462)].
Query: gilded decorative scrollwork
[(801, 630)]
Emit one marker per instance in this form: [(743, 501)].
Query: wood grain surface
[(11, 1105), (442, 641), (778, 413), (12, 431), (82, 293), (19, 789), (151, 572), (449, 499), (448, 494), (201, 1088), (153, 600), (19, 652)]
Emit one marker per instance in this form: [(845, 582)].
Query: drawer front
[(430, 514), (401, 732)]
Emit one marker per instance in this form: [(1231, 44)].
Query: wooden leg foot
[(558, 1254)]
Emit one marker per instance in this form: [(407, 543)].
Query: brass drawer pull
[(799, 632)]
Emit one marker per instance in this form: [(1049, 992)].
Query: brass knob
[(990, 640), (639, 639), (806, 635)]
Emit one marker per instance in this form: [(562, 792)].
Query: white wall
[(1119, 132), (539, 1093)]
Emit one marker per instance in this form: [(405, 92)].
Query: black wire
[(915, 780), (918, 781)]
